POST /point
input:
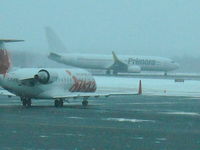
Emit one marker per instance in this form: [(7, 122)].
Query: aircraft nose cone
[(176, 65), (173, 65)]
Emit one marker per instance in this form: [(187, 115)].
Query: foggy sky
[(146, 27)]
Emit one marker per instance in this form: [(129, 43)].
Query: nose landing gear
[(58, 103), (85, 102), (26, 102), (108, 72)]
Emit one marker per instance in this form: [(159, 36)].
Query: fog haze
[(167, 28)]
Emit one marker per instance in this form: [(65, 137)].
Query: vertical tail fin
[(5, 62), (54, 42)]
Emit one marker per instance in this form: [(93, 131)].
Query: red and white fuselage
[(48, 82)]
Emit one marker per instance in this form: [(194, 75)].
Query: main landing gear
[(108, 72), (26, 102), (85, 102), (58, 103), (113, 72)]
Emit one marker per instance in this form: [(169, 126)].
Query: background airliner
[(47, 83), (121, 63)]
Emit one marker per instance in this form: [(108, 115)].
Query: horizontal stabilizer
[(9, 40), (3, 41), (6, 93), (54, 56)]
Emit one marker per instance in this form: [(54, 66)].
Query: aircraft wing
[(118, 64), (96, 95), (6, 93), (105, 93), (27, 81)]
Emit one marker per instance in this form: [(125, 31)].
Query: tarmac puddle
[(44, 136), (161, 139), (182, 113), (139, 138), (75, 117), (127, 120)]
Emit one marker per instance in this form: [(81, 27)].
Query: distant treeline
[(188, 63)]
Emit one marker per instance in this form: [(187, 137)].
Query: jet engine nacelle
[(46, 77), (134, 69)]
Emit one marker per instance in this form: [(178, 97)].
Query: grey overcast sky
[(146, 27)]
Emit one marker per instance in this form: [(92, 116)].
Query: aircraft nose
[(177, 65)]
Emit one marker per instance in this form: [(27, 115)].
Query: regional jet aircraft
[(47, 83), (114, 63)]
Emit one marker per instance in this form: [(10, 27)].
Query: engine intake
[(45, 77), (134, 69)]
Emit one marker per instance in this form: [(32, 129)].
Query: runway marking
[(14, 131), (139, 138), (127, 120), (160, 103), (157, 142), (161, 139), (75, 117), (182, 113), (67, 134), (10, 105), (67, 126), (44, 136)]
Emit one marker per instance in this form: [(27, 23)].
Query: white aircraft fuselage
[(115, 63), (141, 63)]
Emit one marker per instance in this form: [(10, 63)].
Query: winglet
[(115, 56), (140, 88), (2, 41)]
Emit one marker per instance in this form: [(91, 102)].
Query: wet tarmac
[(114, 123), (154, 75)]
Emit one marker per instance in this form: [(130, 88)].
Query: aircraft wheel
[(108, 72), (56, 103), (28, 102), (115, 72), (84, 102), (61, 103), (23, 102)]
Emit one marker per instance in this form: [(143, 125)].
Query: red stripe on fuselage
[(81, 85), (4, 61)]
